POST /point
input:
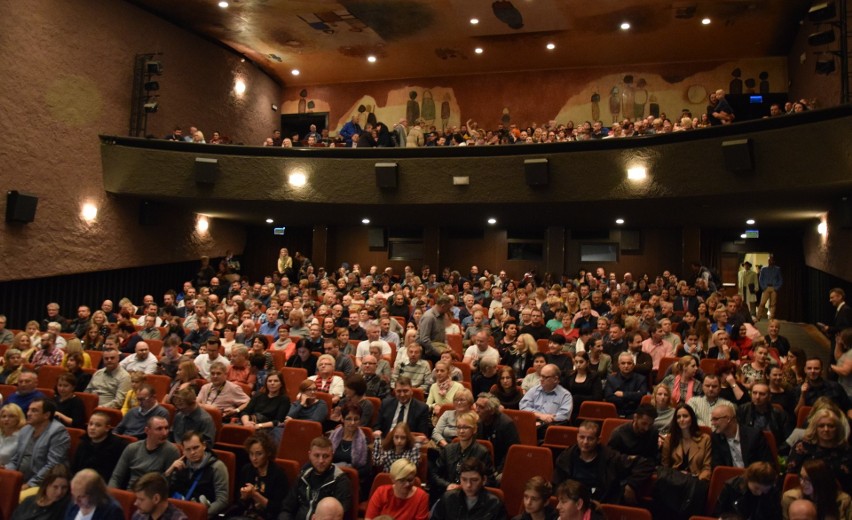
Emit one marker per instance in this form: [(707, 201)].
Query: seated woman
[(308, 407), (575, 502), (402, 499), (12, 419), (52, 498), (470, 500), (448, 356), (137, 379), (756, 370), (303, 358), (350, 445), (753, 495), (73, 346), (354, 390), (691, 345), (599, 363), (268, 407), (682, 382), (445, 430), (721, 348), (731, 390), (399, 443), (537, 493), (817, 484), (74, 364), (821, 403), (687, 449), (744, 343), (520, 355), (507, 389), (824, 439), (662, 400), (261, 485), (583, 383), (70, 410), (186, 375), (534, 377), (444, 389), (325, 379), (445, 472)]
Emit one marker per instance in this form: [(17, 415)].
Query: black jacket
[(311, 488), (445, 469), (453, 505), (779, 423), (752, 443), (502, 433), (736, 498), (614, 471), (419, 417), (100, 457)]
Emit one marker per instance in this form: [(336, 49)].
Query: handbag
[(678, 491)]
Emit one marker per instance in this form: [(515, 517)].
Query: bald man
[(328, 509), (802, 510)]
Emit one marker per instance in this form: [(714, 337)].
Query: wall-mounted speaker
[(536, 172), (376, 238), (20, 207), (738, 155), (149, 214), (206, 170), (842, 213), (386, 175)]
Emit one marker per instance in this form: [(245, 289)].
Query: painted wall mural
[(607, 95)]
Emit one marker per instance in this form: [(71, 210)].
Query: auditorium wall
[(68, 76)]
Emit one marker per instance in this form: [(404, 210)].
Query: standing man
[(842, 314), (770, 281), (432, 334), (747, 286)]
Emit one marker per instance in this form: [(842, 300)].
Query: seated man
[(638, 437), (342, 362), (150, 330), (199, 476), (27, 390), (625, 388), (376, 384), (480, 350), (136, 419), (48, 353), (402, 407), (228, 397), (611, 476), (761, 415), (199, 336), (416, 369), (551, 403), (496, 427), (42, 444), (142, 361), (469, 499), (90, 498), (111, 383), (485, 378), (703, 405), (153, 453), (734, 444), (556, 355), (152, 499), (204, 361), (99, 449), (317, 480), (191, 417)]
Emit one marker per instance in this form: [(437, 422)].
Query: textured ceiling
[(329, 41)]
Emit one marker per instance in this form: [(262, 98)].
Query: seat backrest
[(419, 394), (192, 510), (155, 346), (609, 425), (614, 512), (523, 463), (802, 416), (665, 363), (48, 392), (708, 365), (10, 482), (791, 481), (773, 447), (75, 434), (443, 408), (291, 468), (525, 423), (95, 356), (560, 436), (377, 405), (352, 473), (90, 402), (48, 375), (327, 398), (597, 410), (296, 440), (279, 358), (234, 434), (647, 399), (721, 474), (293, 377), (115, 416), (161, 384), (215, 414), (467, 373), (127, 500), (454, 341), (7, 390), (230, 461)]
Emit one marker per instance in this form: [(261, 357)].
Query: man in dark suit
[(685, 302), (402, 407), (842, 314), (734, 444)]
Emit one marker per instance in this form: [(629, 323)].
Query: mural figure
[(303, 101), (427, 110), (362, 116), (506, 117), (327, 21), (750, 84), (445, 112), (596, 106), (311, 105), (508, 14), (736, 85), (371, 115), (764, 82), (627, 96), (640, 98), (614, 103), (412, 108), (654, 106), (316, 23)]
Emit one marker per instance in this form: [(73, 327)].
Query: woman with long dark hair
[(584, 383), (817, 484), (507, 389)]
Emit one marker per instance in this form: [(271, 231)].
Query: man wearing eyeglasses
[(551, 403), (136, 420), (734, 444)]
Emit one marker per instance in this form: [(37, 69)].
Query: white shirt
[(736, 450), (364, 348), (203, 363), (133, 364), (477, 355)]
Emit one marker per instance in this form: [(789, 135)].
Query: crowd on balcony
[(312, 393)]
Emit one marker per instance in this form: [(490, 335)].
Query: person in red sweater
[(402, 499)]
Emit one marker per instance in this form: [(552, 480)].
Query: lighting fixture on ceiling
[(478, 50), (365, 220), (822, 228), (474, 21), (89, 212), (371, 59), (295, 72), (619, 221), (705, 21), (551, 46), (743, 235), (203, 224), (750, 222), (269, 221), (492, 221), (625, 26), (223, 4), (239, 87)]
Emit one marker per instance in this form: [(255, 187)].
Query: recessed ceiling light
[(202, 225), (297, 179), (750, 222), (295, 72), (223, 4), (239, 87), (89, 212), (637, 173), (625, 26), (743, 235), (474, 21), (269, 221), (478, 50), (619, 221), (551, 46), (365, 220), (492, 221), (705, 21), (371, 59)]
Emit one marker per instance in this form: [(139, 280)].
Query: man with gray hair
[(496, 427), (431, 334), (551, 403)]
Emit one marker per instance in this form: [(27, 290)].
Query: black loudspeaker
[(631, 240), (376, 238), (386, 175), (842, 213), (206, 170), (738, 155), (536, 172), (821, 38), (149, 214), (822, 11), (20, 207)]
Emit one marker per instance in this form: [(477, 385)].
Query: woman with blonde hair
[(402, 499), (682, 382), (137, 379), (12, 419), (520, 355), (34, 334), (444, 389), (74, 346), (445, 431), (662, 401), (824, 438), (399, 443)]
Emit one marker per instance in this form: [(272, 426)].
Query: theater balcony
[(782, 170)]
